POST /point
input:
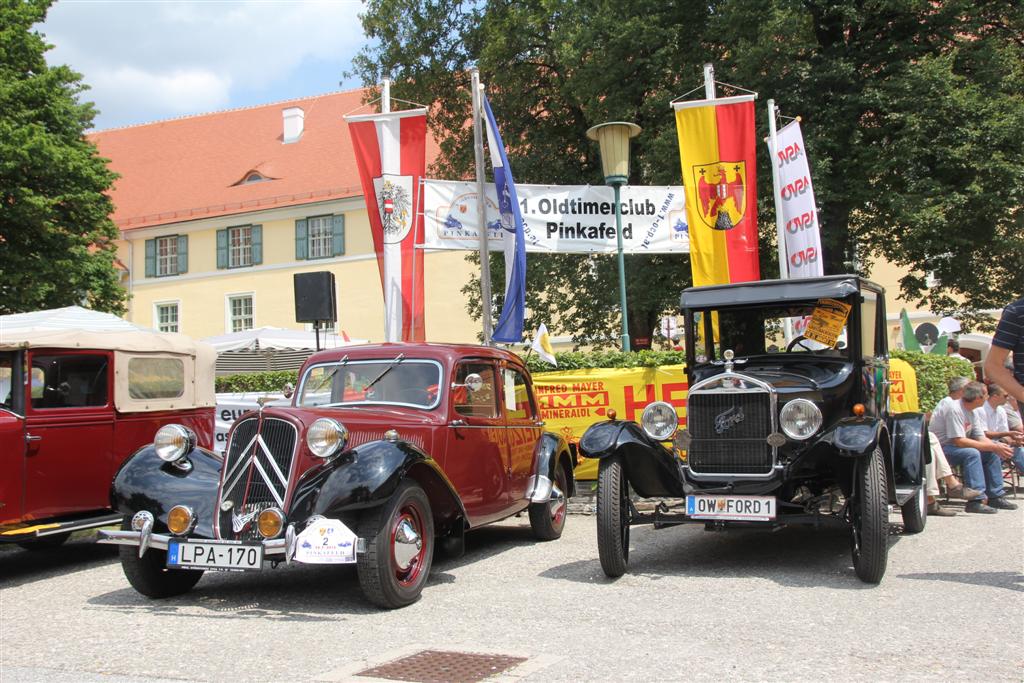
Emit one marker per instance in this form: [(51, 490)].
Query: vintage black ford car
[(386, 450), (776, 432)]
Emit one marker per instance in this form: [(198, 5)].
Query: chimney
[(293, 121)]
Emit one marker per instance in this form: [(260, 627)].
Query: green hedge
[(933, 373), (255, 381), (575, 360)]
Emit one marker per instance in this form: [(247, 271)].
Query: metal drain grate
[(434, 666)]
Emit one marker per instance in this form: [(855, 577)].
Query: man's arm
[(1000, 449), (997, 372)]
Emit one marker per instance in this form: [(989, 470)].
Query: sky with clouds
[(147, 60)]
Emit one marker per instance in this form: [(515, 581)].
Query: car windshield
[(397, 380), (813, 327)]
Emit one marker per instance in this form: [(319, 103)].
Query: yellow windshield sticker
[(827, 321)]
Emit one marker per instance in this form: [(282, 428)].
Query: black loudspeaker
[(315, 297)]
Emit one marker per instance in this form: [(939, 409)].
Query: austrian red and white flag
[(390, 151)]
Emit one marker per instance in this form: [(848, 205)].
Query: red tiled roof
[(187, 168)]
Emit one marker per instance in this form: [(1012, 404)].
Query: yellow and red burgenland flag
[(390, 151), (716, 148)]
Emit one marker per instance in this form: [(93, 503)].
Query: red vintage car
[(74, 406), (386, 451)]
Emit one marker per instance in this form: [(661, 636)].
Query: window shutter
[(150, 258), (301, 235), (257, 245), (338, 235), (222, 248), (182, 254)]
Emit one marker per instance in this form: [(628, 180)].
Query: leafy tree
[(913, 110), (56, 236)]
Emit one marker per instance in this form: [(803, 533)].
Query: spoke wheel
[(547, 519), (613, 516), (869, 528), (399, 539)]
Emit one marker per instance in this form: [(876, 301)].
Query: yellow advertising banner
[(572, 400), (902, 387)]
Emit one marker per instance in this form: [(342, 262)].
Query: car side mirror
[(474, 382), (288, 389)]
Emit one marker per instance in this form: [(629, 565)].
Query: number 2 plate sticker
[(326, 541)]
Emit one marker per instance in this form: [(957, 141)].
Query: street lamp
[(613, 138)]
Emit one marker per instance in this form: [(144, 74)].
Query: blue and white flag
[(509, 329)]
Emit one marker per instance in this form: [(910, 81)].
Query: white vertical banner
[(796, 204)]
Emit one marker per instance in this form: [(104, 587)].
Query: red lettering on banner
[(804, 257), (634, 406), (790, 153), (802, 222), (674, 394), (796, 188)]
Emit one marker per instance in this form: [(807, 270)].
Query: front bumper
[(273, 549)]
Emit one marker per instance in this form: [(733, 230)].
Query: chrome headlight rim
[(190, 515), (281, 521), (663, 414), (173, 442), (787, 417), (325, 437)]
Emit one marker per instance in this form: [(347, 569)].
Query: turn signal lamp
[(612, 414), (180, 520), (858, 409), (270, 522)]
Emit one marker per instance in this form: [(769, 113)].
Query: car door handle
[(30, 438), (540, 423), (457, 423)]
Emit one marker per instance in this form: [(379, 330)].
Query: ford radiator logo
[(729, 418)]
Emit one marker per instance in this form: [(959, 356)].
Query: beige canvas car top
[(194, 360)]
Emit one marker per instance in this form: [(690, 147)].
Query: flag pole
[(481, 212), (709, 81), (773, 136)]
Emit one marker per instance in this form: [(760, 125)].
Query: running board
[(49, 529)]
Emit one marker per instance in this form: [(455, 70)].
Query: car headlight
[(173, 441), (659, 421), (270, 522), (800, 419), (180, 520), (325, 437)]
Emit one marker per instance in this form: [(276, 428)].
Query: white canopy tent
[(269, 348), (67, 318)]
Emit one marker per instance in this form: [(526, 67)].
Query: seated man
[(997, 426), (965, 444)]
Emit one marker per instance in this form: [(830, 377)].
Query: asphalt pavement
[(695, 605)]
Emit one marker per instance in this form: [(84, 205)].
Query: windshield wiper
[(398, 359)]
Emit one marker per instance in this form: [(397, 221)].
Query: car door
[(524, 429), (69, 423), (475, 457), (12, 439)]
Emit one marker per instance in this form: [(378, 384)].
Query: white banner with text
[(564, 219), (799, 212)]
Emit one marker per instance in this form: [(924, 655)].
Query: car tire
[(613, 516), (389, 575), (869, 537), (149, 574), (915, 510), (547, 519), (44, 543)]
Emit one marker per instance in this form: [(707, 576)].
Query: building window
[(320, 236), (240, 313), (239, 247), (166, 256), (167, 317)]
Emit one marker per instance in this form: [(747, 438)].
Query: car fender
[(145, 482), (857, 438), (366, 476), (652, 469), (909, 441), (551, 451)]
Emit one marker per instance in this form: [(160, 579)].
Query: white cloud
[(148, 60)]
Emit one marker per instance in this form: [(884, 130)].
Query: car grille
[(256, 473), (728, 432)]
